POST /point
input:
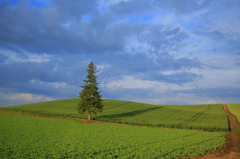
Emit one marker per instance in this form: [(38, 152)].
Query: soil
[(232, 149)]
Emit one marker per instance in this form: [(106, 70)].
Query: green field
[(35, 137), (209, 117), (234, 109)]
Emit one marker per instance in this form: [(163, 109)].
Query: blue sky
[(159, 52)]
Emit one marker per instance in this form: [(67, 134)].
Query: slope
[(234, 109), (201, 117)]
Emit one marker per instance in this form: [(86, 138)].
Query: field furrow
[(234, 109), (209, 117), (34, 137)]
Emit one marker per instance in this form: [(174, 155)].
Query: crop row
[(234, 108), (33, 137), (201, 117)]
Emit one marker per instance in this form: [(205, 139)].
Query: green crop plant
[(210, 117), (34, 137), (236, 131), (234, 109)]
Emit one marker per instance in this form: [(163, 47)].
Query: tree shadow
[(128, 114)]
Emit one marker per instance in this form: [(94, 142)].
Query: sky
[(149, 51)]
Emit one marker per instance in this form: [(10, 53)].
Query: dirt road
[(232, 151)]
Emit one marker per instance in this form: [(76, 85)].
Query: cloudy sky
[(151, 51)]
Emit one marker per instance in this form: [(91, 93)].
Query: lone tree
[(90, 96)]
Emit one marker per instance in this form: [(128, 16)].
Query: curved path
[(233, 141)]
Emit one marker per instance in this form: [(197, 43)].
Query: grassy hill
[(234, 109), (209, 117)]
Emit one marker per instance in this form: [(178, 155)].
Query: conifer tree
[(90, 98)]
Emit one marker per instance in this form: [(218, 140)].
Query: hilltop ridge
[(208, 117)]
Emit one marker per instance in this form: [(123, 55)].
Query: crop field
[(35, 137), (209, 117), (234, 109)]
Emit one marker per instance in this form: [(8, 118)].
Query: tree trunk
[(89, 117)]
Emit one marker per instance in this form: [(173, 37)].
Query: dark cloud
[(68, 69), (170, 63), (214, 35), (3, 58), (162, 38), (41, 30), (185, 6), (74, 9), (177, 78), (150, 70), (126, 8), (61, 30), (125, 40), (55, 91), (223, 42), (54, 70)]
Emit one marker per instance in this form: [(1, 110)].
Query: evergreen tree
[(90, 96)]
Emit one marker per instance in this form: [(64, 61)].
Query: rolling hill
[(234, 109), (209, 117)]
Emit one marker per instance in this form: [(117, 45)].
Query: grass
[(34, 137), (236, 131), (234, 109), (209, 117)]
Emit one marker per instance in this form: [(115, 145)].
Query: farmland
[(234, 109), (34, 137), (209, 117)]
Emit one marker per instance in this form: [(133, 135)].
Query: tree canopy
[(90, 98)]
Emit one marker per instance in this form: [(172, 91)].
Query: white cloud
[(211, 34), (130, 82), (102, 67), (183, 99), (58, 84), (25, 97), (21, 98), (150, 101), (207, 102), (110, 2), (25, 56), (49, 98)]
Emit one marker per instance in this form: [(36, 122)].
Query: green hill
[(234, 109), (209, 117)]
